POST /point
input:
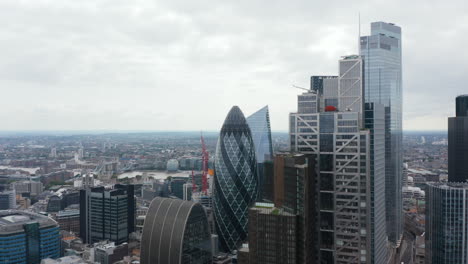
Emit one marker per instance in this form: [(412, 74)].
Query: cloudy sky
[(181, 64)]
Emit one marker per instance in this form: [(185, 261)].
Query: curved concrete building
[(235, 181), (175, 232)]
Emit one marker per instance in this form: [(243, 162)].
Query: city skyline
[(161, 66)]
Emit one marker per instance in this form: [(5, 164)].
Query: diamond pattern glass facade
[(236, 180)]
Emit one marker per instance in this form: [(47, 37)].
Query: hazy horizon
[(174, 65)]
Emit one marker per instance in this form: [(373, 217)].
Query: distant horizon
[(136, 131)]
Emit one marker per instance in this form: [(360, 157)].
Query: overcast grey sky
[(181, 64)]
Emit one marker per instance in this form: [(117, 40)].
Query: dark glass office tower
[(458, 142), (235, 181), (107, 214), (383, 84), (446, 223)]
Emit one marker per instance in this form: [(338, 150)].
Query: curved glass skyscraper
[(235, 181)]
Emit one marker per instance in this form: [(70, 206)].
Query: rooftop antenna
[(359, 32)]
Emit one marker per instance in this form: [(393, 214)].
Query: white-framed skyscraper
[(381, 52), (336, 125)]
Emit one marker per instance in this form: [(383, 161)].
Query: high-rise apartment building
[(458, 142), (235, 181), (446, 223), (381, 52), (347, 136), (27, 238), (259, 123), (176, 231), (107, 214)]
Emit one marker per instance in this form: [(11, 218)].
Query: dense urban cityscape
[(345, 184)]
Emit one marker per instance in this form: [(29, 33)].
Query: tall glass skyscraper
[(259, 123), (235, 181), (458, 142), (383, 85), (446, 223)]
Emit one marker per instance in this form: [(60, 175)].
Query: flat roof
[(12, 221)]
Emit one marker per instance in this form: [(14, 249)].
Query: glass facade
[(27, 238), (446, 223), (259, 123), (107, 214), (383, 84), (177, 232), (235, 181), (458, 142)]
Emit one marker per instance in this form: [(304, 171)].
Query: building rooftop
[(12, 221), (449, 185)]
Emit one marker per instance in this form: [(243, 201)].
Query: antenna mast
[(359, 34)]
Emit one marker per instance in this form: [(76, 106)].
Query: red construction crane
[(205, 158)]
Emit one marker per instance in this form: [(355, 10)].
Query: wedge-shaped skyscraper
[(235, 181), (259, 123)]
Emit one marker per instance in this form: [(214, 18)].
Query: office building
[(175, 231), (187, 188), (446, 223), (259, 124), (235, 182), (27, 238), (69, 220), (295, 190), (272, 236), (347, 136), (320, 83), (177, 186), (458, 142), (107, 214), (109, 253), (7, 199), (64, 260), (383, 85), (32, 188), (54, 204)]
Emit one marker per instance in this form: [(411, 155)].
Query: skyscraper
[(347, 136), (458, 142), (107, 214), (446, 223), (295, 190), (176, 232), (383, 85), (235, 180), (259, 123)]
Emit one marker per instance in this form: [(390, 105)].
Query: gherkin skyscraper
[(235, 181)]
